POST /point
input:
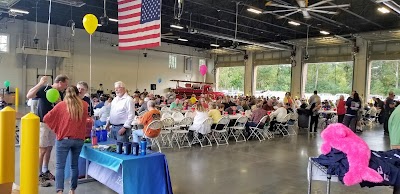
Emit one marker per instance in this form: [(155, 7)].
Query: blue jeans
[(139, 133), (62, 148), (122, 138)]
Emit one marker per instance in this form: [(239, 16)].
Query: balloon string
[(90, 67), (48, 38), (48, 42)]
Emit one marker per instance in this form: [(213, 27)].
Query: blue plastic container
[(98, 134), (104, 135)]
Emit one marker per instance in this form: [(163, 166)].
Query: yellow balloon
[(90, 23)]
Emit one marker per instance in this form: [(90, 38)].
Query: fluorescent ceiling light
[(74, 3), (383, 10), (182, 39), (294, 23), (113, 20), (214, 45), (324, 32), (99, 25), (19, 11), (176, 26), (254, 10)]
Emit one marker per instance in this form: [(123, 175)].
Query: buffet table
[(128, 174)]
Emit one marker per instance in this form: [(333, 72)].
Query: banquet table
[(146, 174)]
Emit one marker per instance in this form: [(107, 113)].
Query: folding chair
[(292, 125), (189, 114), (283, 126), (168, 126), (155, 125), (237, 129), (164, 109), (221, 135), (181, 136), (207, 123), (258, 130), (165, 115), (178, 117)]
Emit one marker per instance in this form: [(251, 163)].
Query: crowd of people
[(116, 112)]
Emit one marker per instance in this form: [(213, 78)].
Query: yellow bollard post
[(29, 176), (7, 149), (16, 99)]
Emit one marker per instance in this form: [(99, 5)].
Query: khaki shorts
[(47, 137)]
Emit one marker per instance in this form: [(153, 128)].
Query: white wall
[(108, 63)]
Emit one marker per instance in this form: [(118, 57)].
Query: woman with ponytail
[(68, 120)]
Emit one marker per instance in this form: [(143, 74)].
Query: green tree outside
[(274, 78), (384, 77), (231, 78)]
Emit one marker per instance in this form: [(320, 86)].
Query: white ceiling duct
[(6, 4)]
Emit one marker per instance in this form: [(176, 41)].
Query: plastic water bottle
[(94, 136), (143, 146)]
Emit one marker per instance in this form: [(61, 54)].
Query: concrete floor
[(273, 166)]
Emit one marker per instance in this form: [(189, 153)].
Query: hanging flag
[(139, 24)]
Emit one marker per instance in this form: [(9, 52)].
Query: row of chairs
[(178, 133)]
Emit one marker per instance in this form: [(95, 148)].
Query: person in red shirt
[(341, 109), (68, 121)]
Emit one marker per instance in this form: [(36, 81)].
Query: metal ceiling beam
[(330, 21), (360, 17), (241, 25), (242, 16), (267, 45), (219, 27)]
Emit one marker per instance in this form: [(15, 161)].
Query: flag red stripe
[(140, 38), (128, 24), (130, 8), (142, 46), (129, 16), (125, 1), (153, 27)]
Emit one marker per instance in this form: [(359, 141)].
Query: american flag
[(139, 24)]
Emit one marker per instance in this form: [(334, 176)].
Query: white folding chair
[(258, 131), (179, 135), (220, 136), (165, 115), (178, 117), (164, 109), (189, 114), (292, 126), (207, 123), (155, 125), (283, 126), (237, 129), (168, 126)]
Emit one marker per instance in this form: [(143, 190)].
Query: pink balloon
[(203, 70)]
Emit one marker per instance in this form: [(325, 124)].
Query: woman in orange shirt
[(68, 120)]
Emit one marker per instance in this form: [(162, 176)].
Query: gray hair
[(151, 103), (119, 84)]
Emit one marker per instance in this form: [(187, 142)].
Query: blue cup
[(98, 134), (104, 135), (135, 149), (126, 147), (119, 148)]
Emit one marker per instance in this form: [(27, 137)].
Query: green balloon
[(7, 83), (52, 95)]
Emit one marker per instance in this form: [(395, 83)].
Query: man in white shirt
[(279, 114), (121, 114), (314, 98)]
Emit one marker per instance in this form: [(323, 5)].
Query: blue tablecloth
[(147, 174)]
